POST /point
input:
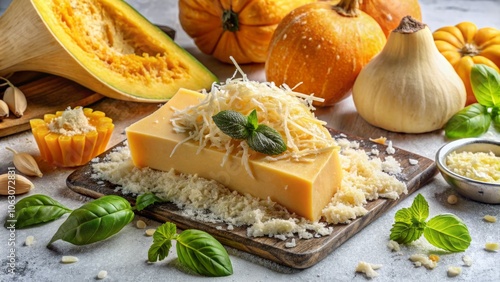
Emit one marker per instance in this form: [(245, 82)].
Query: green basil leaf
[(485, 82), (252, 120), (146, 200), (36, 209), (162, 242), (471, 121), (448, 232), (203, 254), (95, 221), (266, 140), (232, 123), (404, 233), (420, 208), (495, 117), (403, 215)]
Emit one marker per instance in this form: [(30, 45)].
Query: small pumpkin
[(320, 48), (464, 45), (388, 13), (409, 87), (241, 29)]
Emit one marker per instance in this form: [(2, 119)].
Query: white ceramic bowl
[(485, 192)]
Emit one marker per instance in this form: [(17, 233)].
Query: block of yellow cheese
[(304, 188)]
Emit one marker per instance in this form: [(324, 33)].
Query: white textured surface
[(124, 255)]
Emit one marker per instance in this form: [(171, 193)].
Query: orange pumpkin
[(464, 45), (388, 13), (322, 48), (242, 29)]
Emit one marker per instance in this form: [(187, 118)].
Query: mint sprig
[(445, 231), (259, 137), (475, 119)]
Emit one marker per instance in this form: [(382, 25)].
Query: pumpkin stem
[(469, 49), (230, 21), (348, 8), (409, 25)]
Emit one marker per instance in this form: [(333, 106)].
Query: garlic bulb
[(409, 86)]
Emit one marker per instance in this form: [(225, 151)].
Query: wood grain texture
[(306, 253), (47, 94)]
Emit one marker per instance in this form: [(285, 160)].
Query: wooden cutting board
[(306, 253), (45, 94)]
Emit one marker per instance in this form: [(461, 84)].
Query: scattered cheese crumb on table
[(454, 271), (290, 244), (390, 149), (393, 246), (422, 260), (368, 269), (467, 260), (30, 240)]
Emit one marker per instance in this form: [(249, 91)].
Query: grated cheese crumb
[(467, 260), (413, 161), (71, 122), (393, 246), (381, 140), (30, 240), (368, 269), (390, 150), (422, 260), (454, 271), (290, 244)]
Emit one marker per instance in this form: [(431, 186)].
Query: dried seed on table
[(102, 274), (140, 224), (69, 259), (150, 232)]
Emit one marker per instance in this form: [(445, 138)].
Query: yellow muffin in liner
[(71, 146)]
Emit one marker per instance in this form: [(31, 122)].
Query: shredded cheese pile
[(288, 112)]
